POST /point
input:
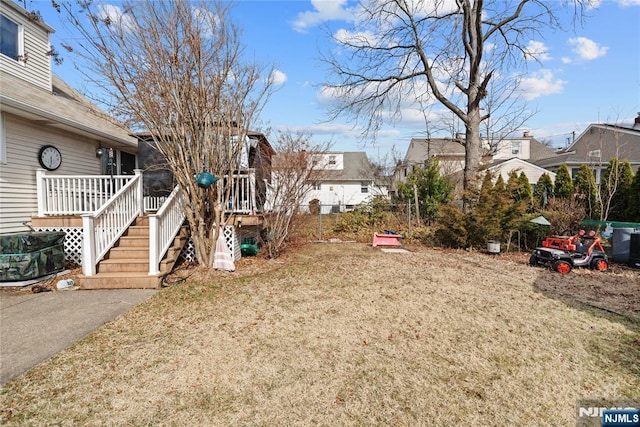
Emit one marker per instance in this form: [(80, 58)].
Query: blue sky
[(590, 73)]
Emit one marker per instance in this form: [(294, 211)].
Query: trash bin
[(493, 247)]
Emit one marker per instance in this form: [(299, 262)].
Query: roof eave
[(65, 122)]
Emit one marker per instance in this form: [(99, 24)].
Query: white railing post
[(252, 191), (140, 191), (41, 191), (154, 262), (88, 245), (163, 228)]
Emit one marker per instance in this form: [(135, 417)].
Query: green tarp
[(25, 256)]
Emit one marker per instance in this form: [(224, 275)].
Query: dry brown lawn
[(343, 334)]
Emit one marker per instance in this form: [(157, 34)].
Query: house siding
[(532, 172), (504, 149), (18, 198), (340, 194), (37, 69)]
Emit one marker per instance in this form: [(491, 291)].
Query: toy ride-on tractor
[(564, 253)]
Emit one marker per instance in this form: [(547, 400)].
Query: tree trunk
[(473, 155)]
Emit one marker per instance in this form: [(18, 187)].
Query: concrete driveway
[(35, 327)]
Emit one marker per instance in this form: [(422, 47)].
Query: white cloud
[(277, 78), (587, 49), (539, 84), (537, 50), (357, 38), (324, 10), (328, 96), (625, 3), (115, 16), (207, 20)]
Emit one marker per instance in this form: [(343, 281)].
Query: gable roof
[(517, 163), (599, 143), (421, 149), (539, 151), (356, 167), (63, 108)]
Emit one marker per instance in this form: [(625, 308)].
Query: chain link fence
[(324, 221)]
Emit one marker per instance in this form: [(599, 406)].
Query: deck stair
[(126, 265)]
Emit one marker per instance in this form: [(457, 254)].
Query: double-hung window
[(10, 38)]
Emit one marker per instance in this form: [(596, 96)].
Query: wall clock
[(49, 157)]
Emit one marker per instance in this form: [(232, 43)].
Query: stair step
[(127, 265), (121, 266), (142, 221), (137, 265), (133, 241), (138, 230), (126, 280), (129, 253)]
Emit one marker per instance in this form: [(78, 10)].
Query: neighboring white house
[(347, 180), (514, 153), (533, 172), (44, 123)]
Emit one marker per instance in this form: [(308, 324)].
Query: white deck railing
[(243, 193), (153, 203), (108, 205), (76, 194), (163, 228), (102, 229)]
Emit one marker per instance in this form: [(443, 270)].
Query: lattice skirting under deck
[(73, 244), (231, 239)]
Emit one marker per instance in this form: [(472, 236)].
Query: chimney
[(636, 122), (525, 134)]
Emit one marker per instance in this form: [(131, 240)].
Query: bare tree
[(294, 172), (448, 52), (505, 113), (177, 70)]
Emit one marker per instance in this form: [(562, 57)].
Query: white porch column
[(88, 245), (41, 191), (139, 191), (154, 262)]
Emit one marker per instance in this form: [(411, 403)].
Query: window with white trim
[(516, 147), (364, 187), (11, 39), (332, 160)]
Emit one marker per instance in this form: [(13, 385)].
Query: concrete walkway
[(35, 327)]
